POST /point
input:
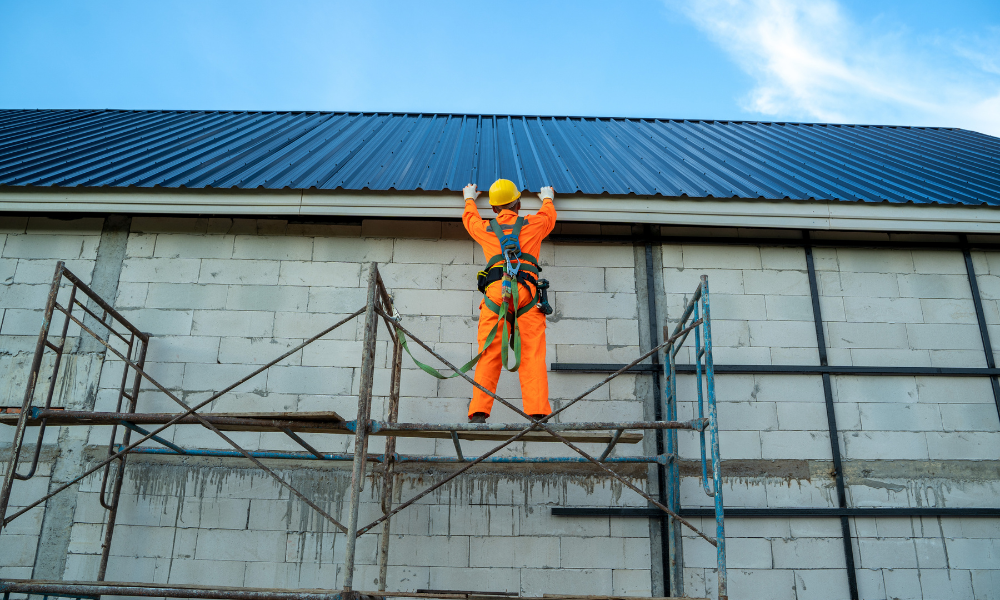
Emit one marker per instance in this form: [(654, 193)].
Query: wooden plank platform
[(117, 588), (299, 422)]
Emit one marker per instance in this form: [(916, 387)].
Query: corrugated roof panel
[(380, 151)]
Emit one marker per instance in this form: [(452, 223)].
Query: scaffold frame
[(379, 306)]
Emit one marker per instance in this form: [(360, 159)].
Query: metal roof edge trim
[(401, 113), (832, 215)]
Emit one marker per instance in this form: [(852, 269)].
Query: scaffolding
[(379, 307)]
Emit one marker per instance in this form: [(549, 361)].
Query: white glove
[(547, 192), (470, 191)]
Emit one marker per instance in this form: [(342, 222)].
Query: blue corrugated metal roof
[(380, 151)]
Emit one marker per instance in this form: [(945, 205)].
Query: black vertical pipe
[(654, 341), (831, 417), (984, 332)]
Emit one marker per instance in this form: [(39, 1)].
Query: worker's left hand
[(547, 192), (470, 191)]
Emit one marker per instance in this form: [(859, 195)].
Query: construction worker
[(528, 232)]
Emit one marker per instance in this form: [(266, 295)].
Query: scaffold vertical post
[(713, 425), (362, 424), (674, 536), (22, 420), (389, 464)]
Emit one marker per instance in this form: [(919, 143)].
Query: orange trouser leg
[(532, 372)]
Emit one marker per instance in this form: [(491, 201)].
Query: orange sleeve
[(546, 216), (474, 224)]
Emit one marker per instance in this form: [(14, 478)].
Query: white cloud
[(811, 61)]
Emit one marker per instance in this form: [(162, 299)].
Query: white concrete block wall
[(232, 526)]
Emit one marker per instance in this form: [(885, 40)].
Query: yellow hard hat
[(503, 191)]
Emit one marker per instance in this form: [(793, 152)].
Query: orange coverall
[(532, 372)]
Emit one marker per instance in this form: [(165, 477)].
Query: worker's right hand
[(547, 192), (470, 191)]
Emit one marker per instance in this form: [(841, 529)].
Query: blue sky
[(895, 62)]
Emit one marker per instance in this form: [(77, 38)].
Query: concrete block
[(948, 310), (192, 246), (246, 272), (808, 553), (435, 551), (618, 280), (444, 252), (186, 295), (273, 247), (535, 582), (721, 257), (41, 271), (310, 380), (875, 260), (819, 584), (783, 258), (140, 245), (946, 583), (320, 274), (268, 298), (434, 302), (957, 358), (756, 416), (860, 284), (741, 553), (160, 322), (682, 283), (944, 336), (886, 445), (900, 417), (795, 334), (342, 301), (934, 286), (208, 377), (339, 353), (631, 582), (972, 553), (573, 255), (140, 541), (729, 306), (23, 296), (622, 553), (232, 323), (197, 572), (986, 583), (891, 553), (352, 250), (595, 305), (22, 322), (972, 445), (161, 270), (414, 276), (970, 417), (236, 545), (460, 277), (577, 331), (801, 416), (8, 266), (623, 332), (306, 325), (131, 295), (938, 261), (536, 552), (867, 335), (473, 520), (485, 580), (194, 349), (59, 246), (887, 357), (788, 308), (240, 350), (538, 521), (768, 282), (883, 310), (948, 390), (795, 444)]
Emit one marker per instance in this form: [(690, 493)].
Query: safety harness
[(507, 267)]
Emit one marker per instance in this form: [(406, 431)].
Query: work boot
[(478, 417)]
